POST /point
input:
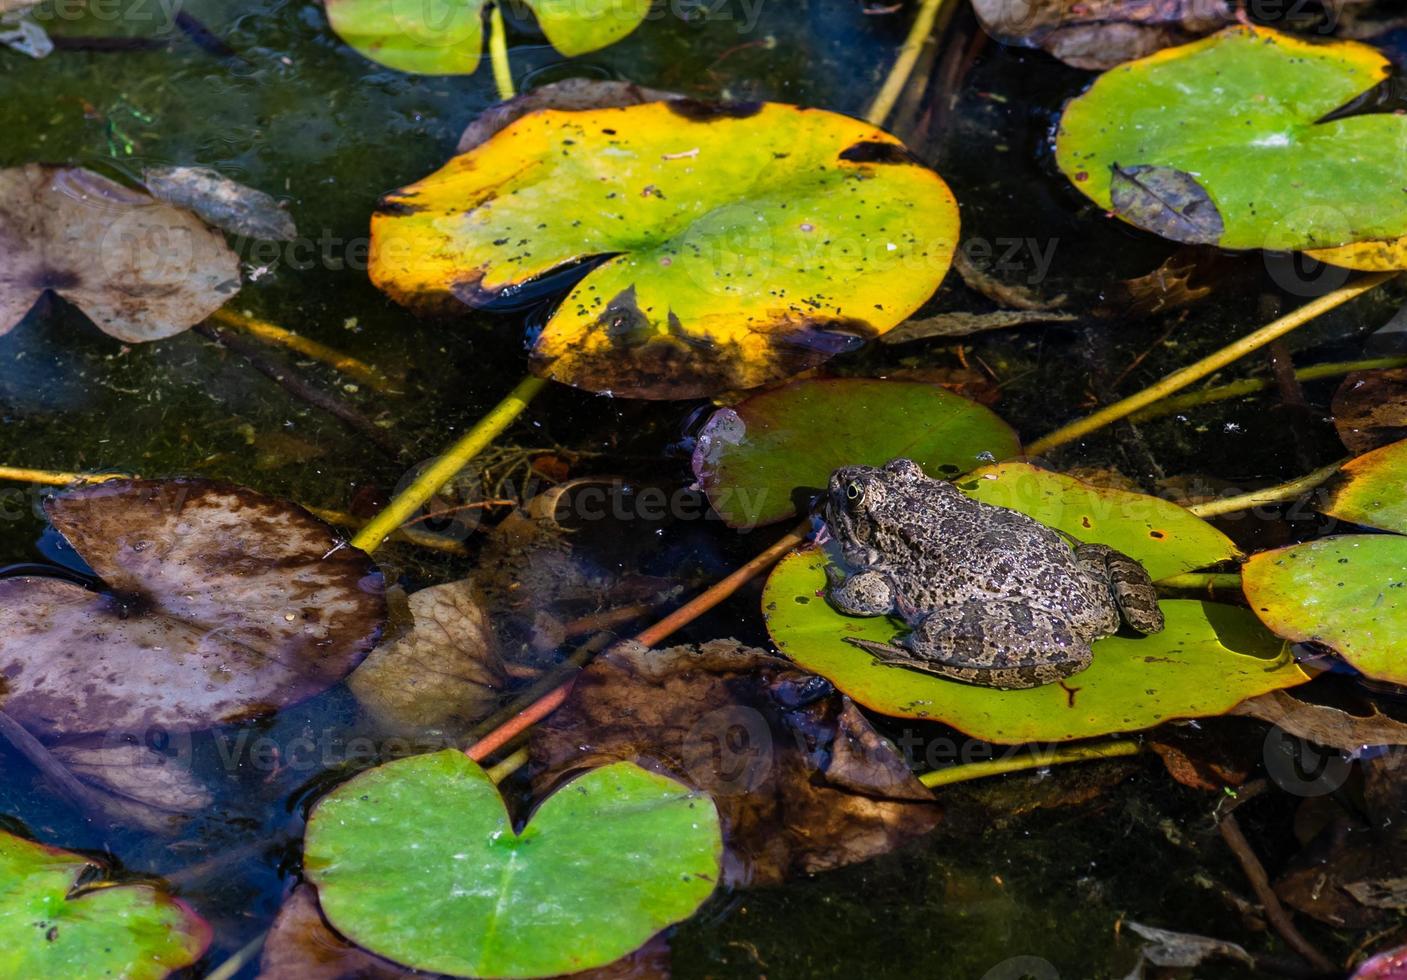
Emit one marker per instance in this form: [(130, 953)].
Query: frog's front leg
[(1127, 583), (867, 593), (994, 644)]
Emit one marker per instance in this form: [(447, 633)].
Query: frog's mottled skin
[(991, 596)]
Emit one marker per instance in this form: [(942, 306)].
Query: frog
[(990, 596)]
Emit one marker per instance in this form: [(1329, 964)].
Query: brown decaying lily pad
[(801, 780), (570, 94), (1370, 409), (142, 270), (220, 604)]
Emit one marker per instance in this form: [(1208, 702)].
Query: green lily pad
[(1166, 538), (1208, 659), (728, 246), (1372, 489), (446, 37), (1220, 142), (418, 861), (53, 927), (761, 459), (1348, 592)]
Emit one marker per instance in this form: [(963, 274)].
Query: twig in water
[(898, 76), (274, 334)]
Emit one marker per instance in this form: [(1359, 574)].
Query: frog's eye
[(852, 492)]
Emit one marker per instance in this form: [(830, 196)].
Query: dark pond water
[(297, 113)]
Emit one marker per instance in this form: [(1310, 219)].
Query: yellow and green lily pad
[(769, 454), (729, 246), (1209, 658), (1166, 538), (1372, 489), (446, 37), (418, 861), (1224, 142), (1347, 592), (53, 926)]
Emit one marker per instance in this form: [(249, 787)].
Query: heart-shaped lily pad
[(1348, 592), (731, 246), (219, 604), (55, 927), (1166, 538), (1208, 658), (141, 269), (1224, 142), (446, 37), (1372, 489), (418, 861), (761, 459)]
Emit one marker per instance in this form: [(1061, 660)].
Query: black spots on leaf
[(875, 151), (698, 111), (398, 207)]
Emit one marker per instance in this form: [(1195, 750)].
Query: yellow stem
[(1250, 386), (498, 54), (1037, 760), (274, 334), (1208, 365), (57, 478), (1201, 580), (1268, 495), (509, 765), (443, 469), (241, 958), (898, 77)]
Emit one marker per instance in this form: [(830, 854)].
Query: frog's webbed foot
[(862, 594), (1128, 582)]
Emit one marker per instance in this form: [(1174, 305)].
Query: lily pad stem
[(898, 77), (57, 478), (685, 614), (1201, 580), (1208, 365), (1036, 760), (498, 54), (239, 959), (1269, 495), (273, 334), (443, 469)]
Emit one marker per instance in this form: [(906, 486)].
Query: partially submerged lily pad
[(759, 461), (1372, 489), (1208, 658), (1347, 592), (729, 246), (218, 604), (418, 861), (1223, 141), (446, 37), (140, 269), (55, 927), (1166, 538)]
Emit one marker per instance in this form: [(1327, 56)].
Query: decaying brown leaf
[(1185, 278), (142, 270), (1100, 34), (966, 324), (144, 780), (219, 604), (570, 94), (801, 780), (222, 202), (1167, 949), (445, 673), (1370, 409), (1322, 724), (1203, 764)]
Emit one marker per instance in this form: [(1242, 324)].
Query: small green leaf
[(417, 860), (1348, 592), (1208, 659), (757, 461), (1372, 489), (1166, 538), (575, 27), (130, 931)]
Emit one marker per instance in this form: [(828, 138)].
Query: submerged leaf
[(762, 460), (1240, 113), (729, 246), (1100, 33), (801, 780), (1370, 408), (418, 861), (219, 604), (1166, 202), (142, 270), (1348, 592), (1208, 658), (570, 94), (222, 202), (55, 928)]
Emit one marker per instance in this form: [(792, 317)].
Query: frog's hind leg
[(1128, 584), (992, 644)]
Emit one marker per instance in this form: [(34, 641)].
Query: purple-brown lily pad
[(139, 268), (218, 604)]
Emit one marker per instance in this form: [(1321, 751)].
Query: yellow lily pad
[(1372, 489), (1377, 256), (1208, 659), (732, 245)]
